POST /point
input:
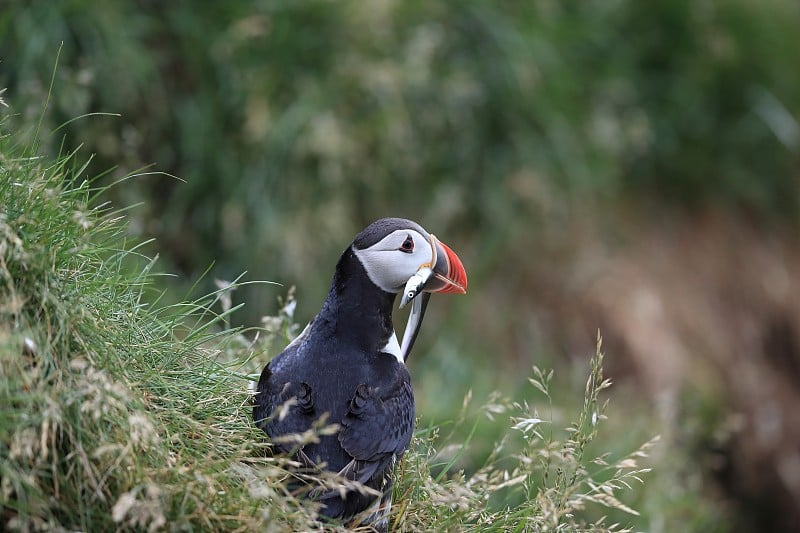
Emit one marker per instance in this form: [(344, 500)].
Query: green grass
[(122, 412), (538, 477), (115, 412), (112, 409)]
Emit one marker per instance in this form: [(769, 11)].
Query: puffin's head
[(394, 250), (400, 256)]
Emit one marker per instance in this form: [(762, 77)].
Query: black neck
[(357, 311)]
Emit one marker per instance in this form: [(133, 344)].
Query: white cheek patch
[(366, 261), (387, 266)]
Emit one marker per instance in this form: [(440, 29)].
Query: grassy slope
[(121, 413), (108, 417)]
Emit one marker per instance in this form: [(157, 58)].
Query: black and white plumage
[(348, 365)]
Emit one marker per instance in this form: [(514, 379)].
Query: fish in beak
[(444, 274)]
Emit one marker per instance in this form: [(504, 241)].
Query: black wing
[(377, 428), (282, 407)]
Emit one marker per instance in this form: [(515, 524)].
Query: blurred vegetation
[(315, 117), (518, 132)]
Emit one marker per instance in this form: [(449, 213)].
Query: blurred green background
[(621, 165)]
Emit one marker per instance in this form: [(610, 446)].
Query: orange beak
[(449, 275)]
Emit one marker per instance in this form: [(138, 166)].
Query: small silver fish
[(415, 284)]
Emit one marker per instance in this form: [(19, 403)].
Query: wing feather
[(378, 423), (282, 407)]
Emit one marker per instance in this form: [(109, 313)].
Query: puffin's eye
[(408, 245)]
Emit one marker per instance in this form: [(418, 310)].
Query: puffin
[(347, 368)]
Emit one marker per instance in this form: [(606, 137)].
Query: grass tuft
[(535, 479), (116, 412)]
